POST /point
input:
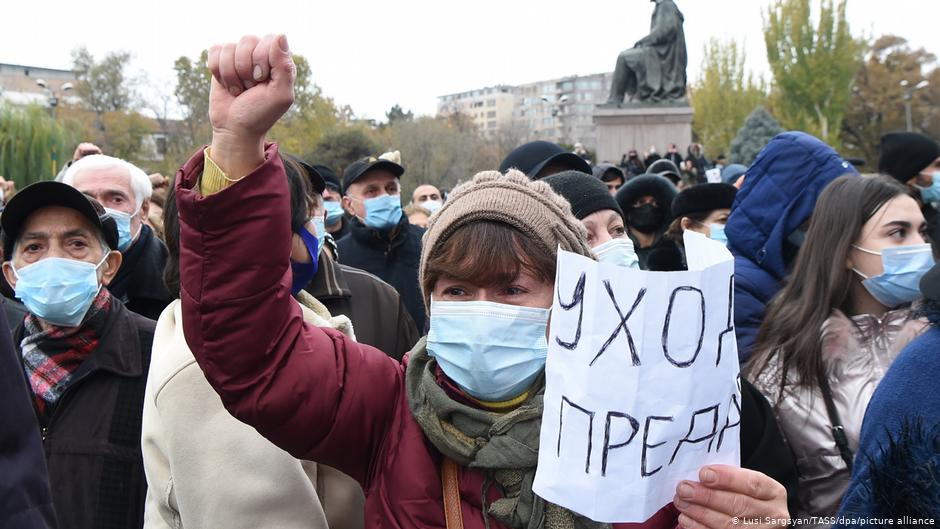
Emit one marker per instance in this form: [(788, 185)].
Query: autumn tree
[(813, 65), (341, 146), (310, 117), (103, 86), (877, 103), (723, 95), (396, 113), (192, 93)]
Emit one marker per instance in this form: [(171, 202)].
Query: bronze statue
[(654, 69)]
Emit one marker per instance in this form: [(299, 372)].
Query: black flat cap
[(44, 194), (330, 178), (905, 154), (316, 179), (364, 165), (586, 194), (532, 157), (703, 197)]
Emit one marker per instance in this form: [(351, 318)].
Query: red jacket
[(313, 392)]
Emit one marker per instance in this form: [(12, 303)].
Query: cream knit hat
[(528, 206)]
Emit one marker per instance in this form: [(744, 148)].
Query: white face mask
[(617, 251), (431, 205)]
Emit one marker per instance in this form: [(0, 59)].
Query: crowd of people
[(264, 341)]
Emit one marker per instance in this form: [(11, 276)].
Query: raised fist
[(252, 87)]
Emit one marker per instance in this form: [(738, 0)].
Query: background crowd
[(266, 341)]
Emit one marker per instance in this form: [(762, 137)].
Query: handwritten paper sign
[(641, 386)]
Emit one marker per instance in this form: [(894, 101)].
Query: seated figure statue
[(653, 70)]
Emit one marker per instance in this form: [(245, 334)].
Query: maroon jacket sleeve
[(313, 392)]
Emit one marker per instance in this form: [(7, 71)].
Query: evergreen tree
[(759, 128)]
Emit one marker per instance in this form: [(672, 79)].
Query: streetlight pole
[(908, 96), (53, 103)]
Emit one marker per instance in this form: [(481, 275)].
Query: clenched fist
[(252, 87)]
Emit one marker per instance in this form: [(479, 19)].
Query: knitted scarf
[(51, 357), (504, 446)]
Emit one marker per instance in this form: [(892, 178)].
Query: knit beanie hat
[(528, 206), (905, 154), (703, 197), (586, 194)]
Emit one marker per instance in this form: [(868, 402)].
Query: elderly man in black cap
[(337, 223), (382, 241), (914, 159), (538, 159), (84, 355)]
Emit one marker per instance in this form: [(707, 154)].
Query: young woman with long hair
[(829, 336)]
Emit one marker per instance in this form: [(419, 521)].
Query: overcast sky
[(372, 54)]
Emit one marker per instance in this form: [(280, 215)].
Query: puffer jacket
[(897, 469), (856, 353), (206, 469), (312, 391), (778, 196)]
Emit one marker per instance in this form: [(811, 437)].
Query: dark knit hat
[(532, 157), (905, 154), (586, 194), (606, 172), (659, 187), (330, 178), (703, 197), (930, 284)]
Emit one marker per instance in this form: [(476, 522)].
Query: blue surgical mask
[(718, 233), (904, 266), (492, 351), (383, 212), (123, 221), (932, 193), (303, 273), (334, 212), (617, 251), (320, 226), (58, 291), (431, 205)]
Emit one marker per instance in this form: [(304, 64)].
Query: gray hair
[(140, 182)]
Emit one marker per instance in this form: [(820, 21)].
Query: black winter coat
[(139, 283), (393, 259), (92, 437), (25, 501)]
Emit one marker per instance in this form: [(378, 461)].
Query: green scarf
[(504, 446)]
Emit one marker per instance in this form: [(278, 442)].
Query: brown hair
[(674, 231), (488, 253), (820, 281)]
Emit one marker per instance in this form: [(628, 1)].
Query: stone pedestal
[(620, 129)]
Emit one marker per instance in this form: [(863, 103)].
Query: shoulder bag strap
[(838, 431), (449, 480)]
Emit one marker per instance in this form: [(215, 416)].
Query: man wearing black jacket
[(83, 354), (382, 241)]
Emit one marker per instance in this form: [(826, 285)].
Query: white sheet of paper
[(713, 176), (632, 409), (702, 252)]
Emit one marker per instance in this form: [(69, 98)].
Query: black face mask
[(646, 218)]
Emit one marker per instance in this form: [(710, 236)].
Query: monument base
[(632, 126)]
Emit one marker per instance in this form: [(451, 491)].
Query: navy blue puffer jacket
[(779, 194)]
